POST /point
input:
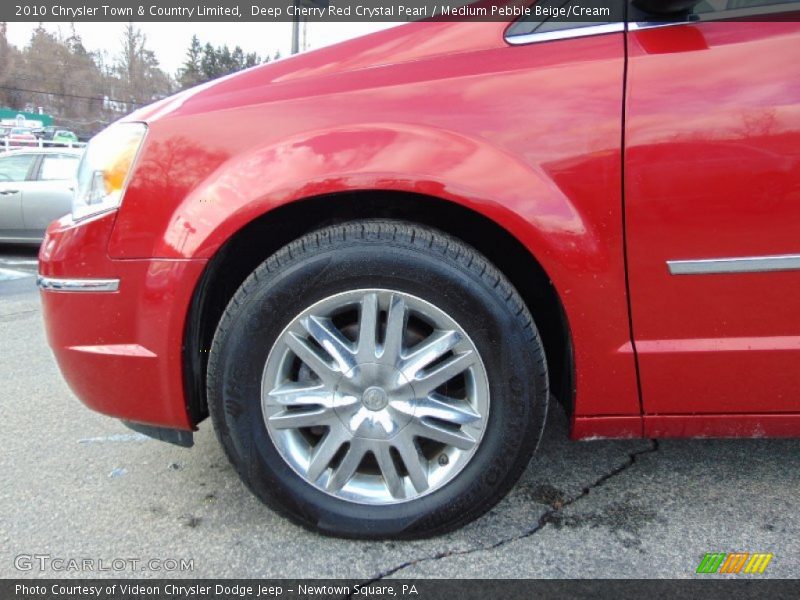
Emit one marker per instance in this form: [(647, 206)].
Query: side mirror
[(665, 7)]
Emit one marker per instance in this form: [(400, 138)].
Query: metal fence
[(7, 144)]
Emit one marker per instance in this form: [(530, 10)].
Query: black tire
[(415, 260)]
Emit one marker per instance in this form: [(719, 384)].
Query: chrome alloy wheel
[(375, 396)]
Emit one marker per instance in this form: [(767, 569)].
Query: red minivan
[(372, 265)]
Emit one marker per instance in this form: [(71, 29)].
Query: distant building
[(21, 118), (115, 105)]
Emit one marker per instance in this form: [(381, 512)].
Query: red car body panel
[(119, 352), (713, 171), (538, 151), (392, 127)]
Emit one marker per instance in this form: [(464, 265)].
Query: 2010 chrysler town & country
[(373, 264)]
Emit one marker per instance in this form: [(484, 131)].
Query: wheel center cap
[(375, 398), (374, 401)]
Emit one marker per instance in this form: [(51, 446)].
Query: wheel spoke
[(438, 407), (331, 339), (395, 327), (298, 394), (296, 419), (431, 431), (415, 463), (444, 372), (368, 329), (394, 483), (324, 452), (309, 355), (426, 352), (347, 468)]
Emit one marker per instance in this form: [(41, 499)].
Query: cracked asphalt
[(75, 484)]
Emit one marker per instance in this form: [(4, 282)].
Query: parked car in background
[(21, 137), (64, 137), (45, 133), (35, 188), (402, 244), (45, 137)]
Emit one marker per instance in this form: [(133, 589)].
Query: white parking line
[(9, 274), (19, 261)]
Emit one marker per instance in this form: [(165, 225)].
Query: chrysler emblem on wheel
[(375, 398)]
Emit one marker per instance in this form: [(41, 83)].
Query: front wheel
[(378, 379)]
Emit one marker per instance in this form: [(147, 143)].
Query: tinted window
[(58, 167), (711, 6), (16, 167)]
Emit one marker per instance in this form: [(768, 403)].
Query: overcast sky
[(169, 41)]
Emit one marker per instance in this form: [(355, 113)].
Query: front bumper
[(116, 326)]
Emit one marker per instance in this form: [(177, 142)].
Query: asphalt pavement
[(78, 485)]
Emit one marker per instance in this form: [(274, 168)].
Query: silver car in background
[(35, 188)]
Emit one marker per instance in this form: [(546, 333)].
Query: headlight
[(104, 169)]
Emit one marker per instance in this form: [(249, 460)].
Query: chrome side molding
[(57, 284), (565, 34), (744, 264)]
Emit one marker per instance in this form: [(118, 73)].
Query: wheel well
[(255, 242)]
